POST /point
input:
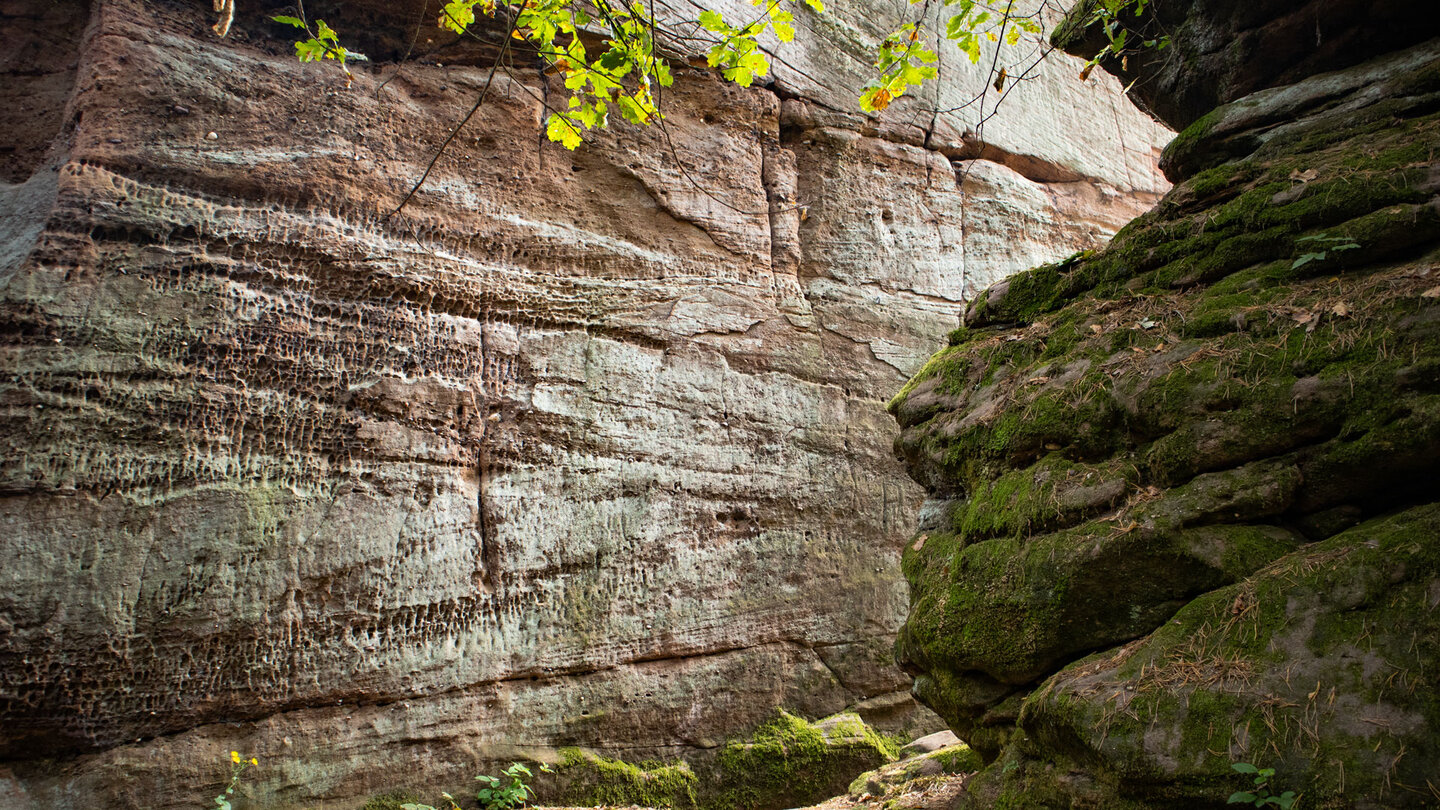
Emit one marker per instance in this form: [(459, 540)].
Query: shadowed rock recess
[(1183, 491), (569, 453)]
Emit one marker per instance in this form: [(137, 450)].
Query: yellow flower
[(254, 761), (235, 757)]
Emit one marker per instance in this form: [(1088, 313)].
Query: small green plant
[(238, 766), (1326, 245), (1260, 794), (323, 43), (497, 795)]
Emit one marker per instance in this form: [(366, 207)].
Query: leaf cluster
[(1259, 795), (323, 43), (1326, 245), (621, 74), (737, 53), (495, 793), (625, 72), (1109, 16), (498, 794), (905, 62)]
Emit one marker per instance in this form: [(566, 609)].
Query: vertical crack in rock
[(786, 213)]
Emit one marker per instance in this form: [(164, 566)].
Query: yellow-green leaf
[(559, 130)]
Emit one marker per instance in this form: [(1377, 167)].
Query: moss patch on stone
[(786, 762), (591, 779), (898, 776), (790, 762), (1320, 666)]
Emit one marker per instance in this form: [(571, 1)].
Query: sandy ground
[(923, 794)]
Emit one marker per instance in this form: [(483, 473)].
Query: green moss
[(1013, 608), (916, 773), (1052, 493), (957, 759), (1020, 781), (1006, 506), (786, 757), (1252, 213), (1273, 669), (1246, 549), (1069, 419), (1071, 30), (1027, 295), (1263, 395), (1182, 147), (850, 726), (786, 762), (595, 780), (959, 337), (945, 365)]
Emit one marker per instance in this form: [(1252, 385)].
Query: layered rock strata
[(571, 451), (1183, 490)]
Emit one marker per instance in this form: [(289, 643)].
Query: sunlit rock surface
[(571, 451)]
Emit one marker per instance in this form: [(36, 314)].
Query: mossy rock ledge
[(1183, 491), (787, 762)]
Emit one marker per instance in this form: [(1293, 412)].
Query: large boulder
[(1319, 667), (1183, 489)]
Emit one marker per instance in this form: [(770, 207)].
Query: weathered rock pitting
[(569, 452), (1183, 489)]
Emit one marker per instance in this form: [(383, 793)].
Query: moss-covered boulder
[(1141, 460), (1322, 666), (792, 763), (589, 779), (787, 762), (948, 761)]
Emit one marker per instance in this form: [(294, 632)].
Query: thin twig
[(419, 21), (504, 47)]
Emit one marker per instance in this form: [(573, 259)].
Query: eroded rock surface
[(1183, 490), (569, 452)]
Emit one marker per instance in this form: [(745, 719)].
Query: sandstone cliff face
[(1184, 489), (570, 452)]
